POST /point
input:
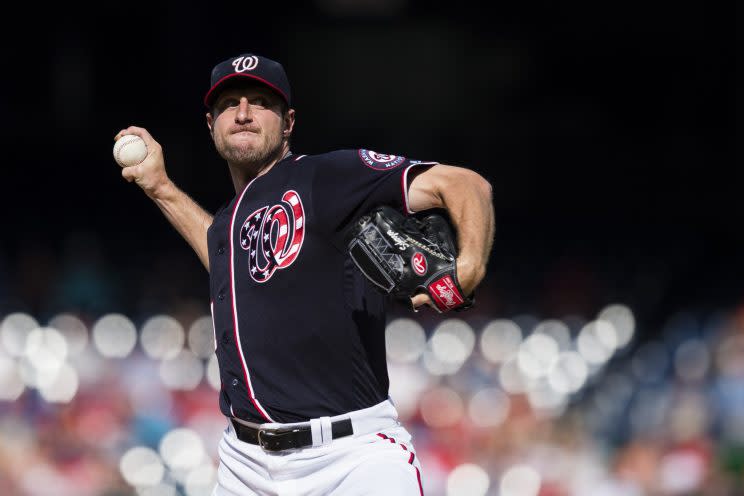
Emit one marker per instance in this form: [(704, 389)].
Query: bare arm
[(189, 219), (467, 197)]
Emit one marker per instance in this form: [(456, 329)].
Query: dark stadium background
[(605, 131)]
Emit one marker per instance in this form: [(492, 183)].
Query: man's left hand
[(469, 275)]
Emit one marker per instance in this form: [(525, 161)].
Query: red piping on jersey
[(206, 98), (214, 327), (410, 459), (235, 311)]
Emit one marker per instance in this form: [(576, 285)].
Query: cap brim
[(230, 78)]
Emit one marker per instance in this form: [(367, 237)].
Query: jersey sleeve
[(349, 183)]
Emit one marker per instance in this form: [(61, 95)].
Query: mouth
[(244, 131)]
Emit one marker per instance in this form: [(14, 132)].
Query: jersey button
[(221, 296), (220, 250), (234, 382), (225, 339)]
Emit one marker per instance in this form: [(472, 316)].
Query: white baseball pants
[(378, 459)]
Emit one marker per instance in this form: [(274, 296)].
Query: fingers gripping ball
[(129, 150)]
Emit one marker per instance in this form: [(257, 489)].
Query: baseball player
[(299, 331)]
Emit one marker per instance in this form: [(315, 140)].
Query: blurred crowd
[(497, 405)]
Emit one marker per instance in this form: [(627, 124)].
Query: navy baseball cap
[(265, 71)]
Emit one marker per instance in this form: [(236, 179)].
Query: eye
[(228, 102), (259, 101)]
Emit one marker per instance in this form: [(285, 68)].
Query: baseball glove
[(406, 255)]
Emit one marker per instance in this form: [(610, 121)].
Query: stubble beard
[(250, 158)]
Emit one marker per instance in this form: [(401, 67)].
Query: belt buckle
[(269, 439)]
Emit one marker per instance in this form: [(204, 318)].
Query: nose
[(243, 115)]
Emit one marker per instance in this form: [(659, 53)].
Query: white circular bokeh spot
[(73, 329), (500, 339), (597, 341), (405, 340), (536, 355), (14, 331), (114, 335), (182, 449), (622, 320), (45, 353), (63, 388), (520, 480), (568, 373), (451, 344), (468, 479), (162, 337), (141, 466)]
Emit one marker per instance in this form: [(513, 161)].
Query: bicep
[(425, 186)]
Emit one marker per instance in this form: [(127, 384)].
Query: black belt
[(284, 438)]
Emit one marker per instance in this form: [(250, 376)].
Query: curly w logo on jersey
[(273, 235)]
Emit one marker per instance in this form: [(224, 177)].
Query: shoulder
[(351, 157)]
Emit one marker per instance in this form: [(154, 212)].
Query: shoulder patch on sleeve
[(380, 161)]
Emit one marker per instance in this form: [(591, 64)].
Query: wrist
[(164, 191), (470, 273)]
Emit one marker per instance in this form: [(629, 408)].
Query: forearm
[(189, 219), (470, 206)]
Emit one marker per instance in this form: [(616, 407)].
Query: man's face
[(247, 124)]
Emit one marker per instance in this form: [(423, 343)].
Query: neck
[(243, 174)]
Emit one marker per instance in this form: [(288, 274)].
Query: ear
[(210, 123), (289, 121)]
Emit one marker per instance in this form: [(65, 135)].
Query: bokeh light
[(500, 339), (596, 342), (162, 337), (568, 373), (407, 381), (141, 466), (114, 335), (451, 344), (511, 377), (201, 481), (63, 388), (201, 337), (536, 354), (185, 371), (160, 489), (404, 340), (468, 479), (489, 407), (441, 407), (14, 331), (556, 330), (46, 351), (11, 384), (622, 320), (74, 331), (520, 480), (545, 400), (182, 449)]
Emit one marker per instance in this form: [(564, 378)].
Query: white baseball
[(129, 150)]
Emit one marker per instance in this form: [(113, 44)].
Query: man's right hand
[(149, 174)]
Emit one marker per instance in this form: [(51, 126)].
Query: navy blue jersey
[(299, 331)]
